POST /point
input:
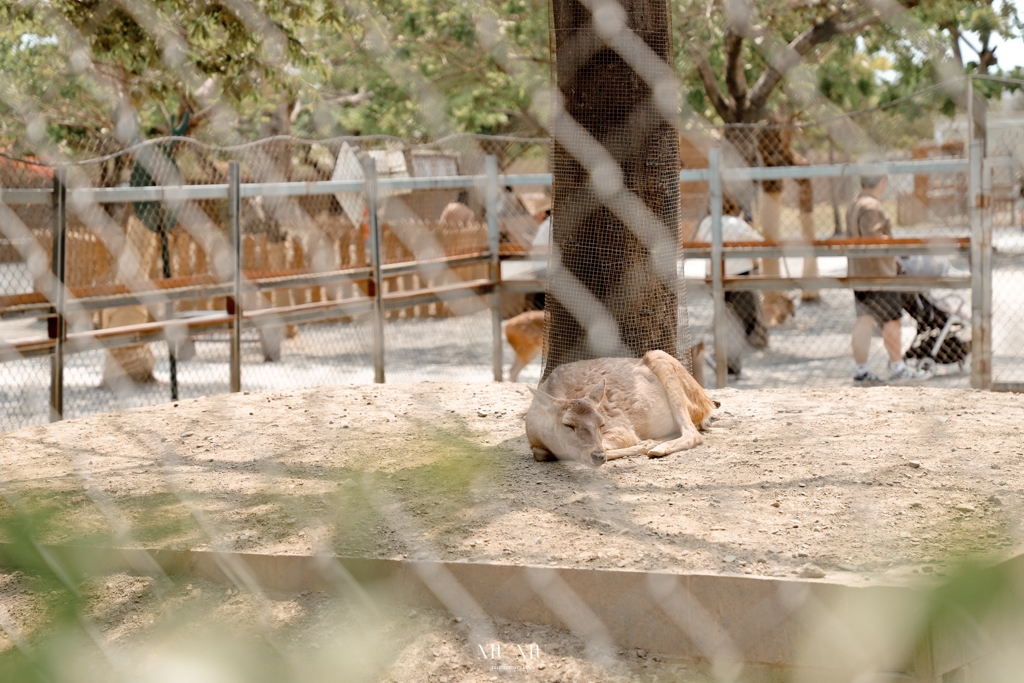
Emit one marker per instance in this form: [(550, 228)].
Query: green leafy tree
[(967, 30), (970, 27), (85, 71), (750, 61), (419, 69), (742, 52)]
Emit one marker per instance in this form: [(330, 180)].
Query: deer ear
[(545, 400), (597, 393)]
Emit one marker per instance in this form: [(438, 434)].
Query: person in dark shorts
[(882, 306), (866, 218)]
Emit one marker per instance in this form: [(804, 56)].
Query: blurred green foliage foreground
[(67, 620)]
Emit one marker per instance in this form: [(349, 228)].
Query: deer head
[(573, 427)]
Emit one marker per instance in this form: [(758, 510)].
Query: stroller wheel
[(926, 364)]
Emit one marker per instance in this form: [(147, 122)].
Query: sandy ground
[(871, 478), (852, 485)]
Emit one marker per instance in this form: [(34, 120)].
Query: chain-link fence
[(1002, 180), (306, 256), (797, 330), (320, 512), (774, 336)]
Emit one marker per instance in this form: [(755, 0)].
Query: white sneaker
[(906, 375), (868, 379)]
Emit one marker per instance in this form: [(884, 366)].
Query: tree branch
[(735, 78), (962, 37), (538, 128), (954, 38), (199, 115), (725, 108), (856, 26), (351, 100), (790, 56), (986, 56)]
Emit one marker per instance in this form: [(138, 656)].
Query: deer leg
[(517, 366), (542, 454), (621, 441), (629, 451), (688, 440), (664, 368)]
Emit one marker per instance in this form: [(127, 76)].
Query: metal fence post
[(986, 266), (717, 290), (172, 342), (235, 303), (57, 325), (970, 109), (981, 272), (370, 177), (494, 245)]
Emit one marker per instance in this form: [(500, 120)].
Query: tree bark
[(612, 282), (273, 165)]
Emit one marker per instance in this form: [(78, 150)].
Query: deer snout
[(597, 459)]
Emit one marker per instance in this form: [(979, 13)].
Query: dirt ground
[(850, 485)]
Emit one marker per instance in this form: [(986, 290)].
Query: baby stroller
[(942, 317)]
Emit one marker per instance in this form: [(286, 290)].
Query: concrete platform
[(775, 629)]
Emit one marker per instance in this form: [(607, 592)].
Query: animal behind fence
[(525, 334)]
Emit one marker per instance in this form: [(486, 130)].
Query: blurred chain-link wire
[(148, 294)]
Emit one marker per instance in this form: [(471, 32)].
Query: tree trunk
[(611, 288), (273, 165), (807, 231), (740, 151), (775, 144)]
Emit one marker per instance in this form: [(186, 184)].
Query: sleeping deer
[(607, 408)]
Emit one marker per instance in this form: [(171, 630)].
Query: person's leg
[(861, 338), (735, 325), (757, 330), (747, 306), (892, 305), (743, 303), (891, 339), (806, 198)]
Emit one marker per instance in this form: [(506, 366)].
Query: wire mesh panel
[(24, 392), (613, 285), (448, 335), (797, 336), (146, 247), (1006, 143), (303, 237), (793, 337), (26, 245)]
